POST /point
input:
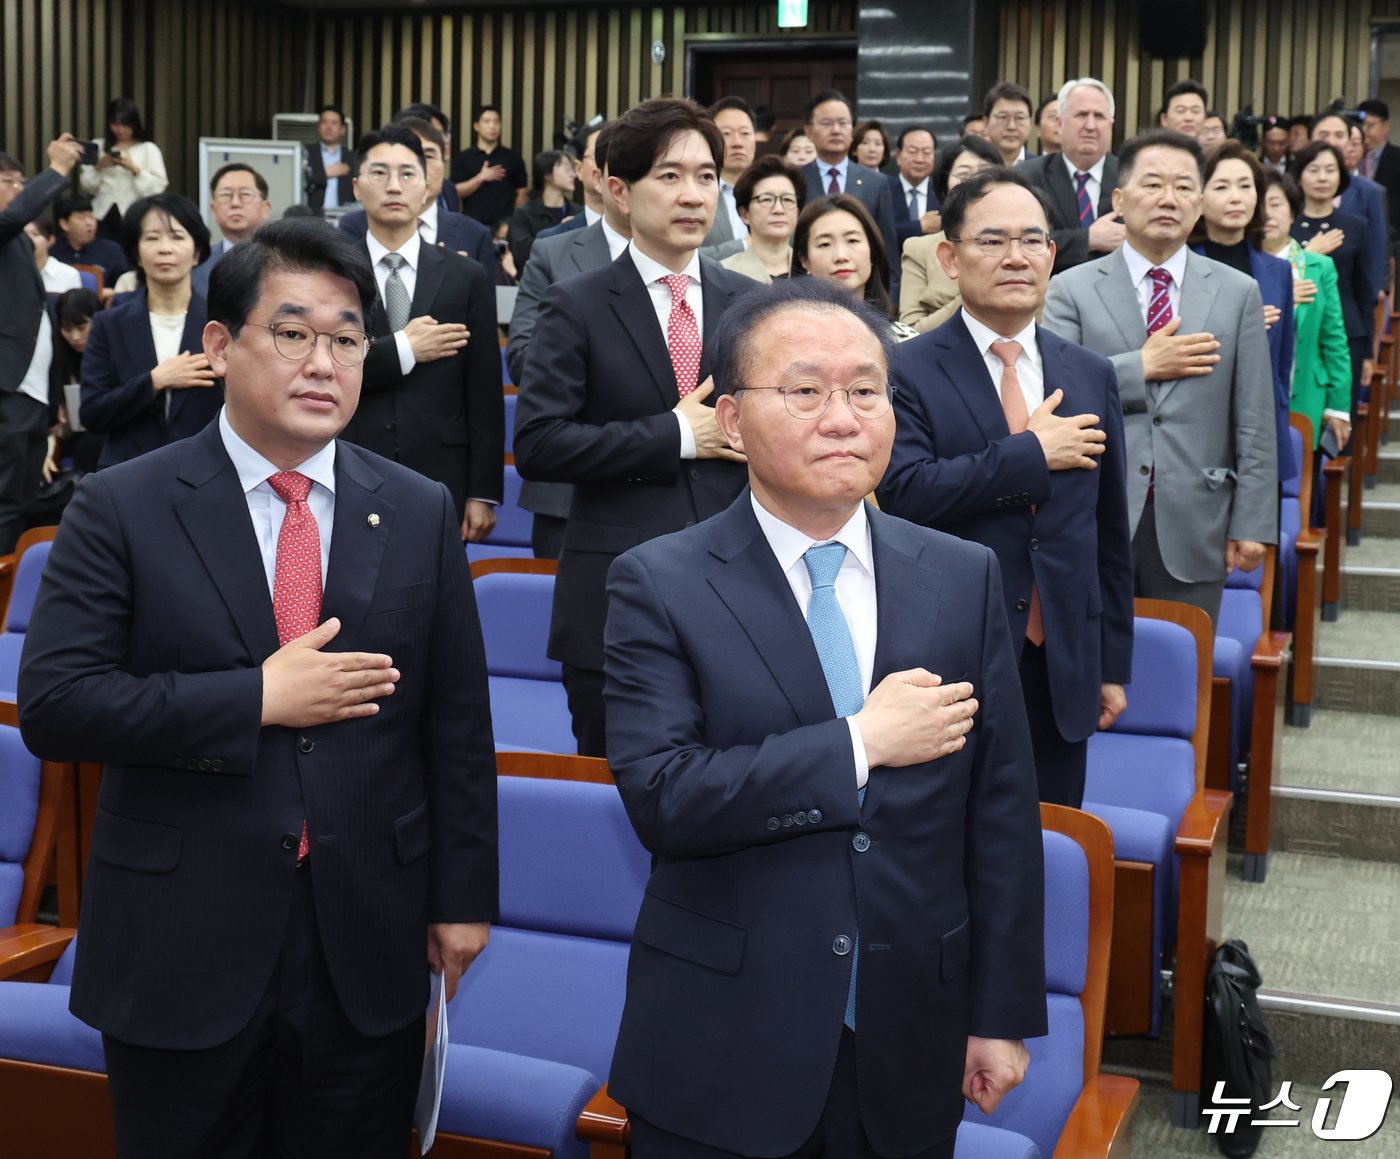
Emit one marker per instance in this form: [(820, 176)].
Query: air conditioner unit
[(303, 127)]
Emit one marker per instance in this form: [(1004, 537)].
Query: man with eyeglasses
[(27, 337), (829, 120), (1012, 437), (842, 936), (1009, 109), (433, 379), (238, 201), (268, 637), (911, 189)]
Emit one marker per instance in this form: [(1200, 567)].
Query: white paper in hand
[(425, 1113)]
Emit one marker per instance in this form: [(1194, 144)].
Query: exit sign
[(792, 13)]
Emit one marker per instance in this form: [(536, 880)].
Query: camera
[(501, 246), (1245, 127)]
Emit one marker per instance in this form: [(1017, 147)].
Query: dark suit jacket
[(1388, 175), (594, 409), (21, 287), (733, 988), (456, 231), (316, 179), (200, 277), (957, 467), (445, 419), (871, 187), (1355, 270), (905, 226), (144, 653), (1365, 199), (1048, 172), (118, 399), (578, 221), (529, 220)]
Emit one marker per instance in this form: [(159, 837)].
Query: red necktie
[(296, 583), (1013, 405), (1081, 199), (682, 336), (1159, 310), (835, 187)]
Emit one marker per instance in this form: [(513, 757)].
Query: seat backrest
[(1293, 483), (552, 980), (1162, 695), (20, 777), (29, 570), (510, 423), (515, 610)]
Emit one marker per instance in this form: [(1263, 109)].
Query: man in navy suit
[(816, 727), (268, 636), (830, 119), (238, 201), (911, 189), (1013, 438), (614, 394), (1381, 160)]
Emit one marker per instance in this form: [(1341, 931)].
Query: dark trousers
[(584, 687), (1059, 763), (1153, 581), (24, 425), (547, 536), (839, 1134), (298, 1082)]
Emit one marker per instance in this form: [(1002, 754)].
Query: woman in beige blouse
[(128, 168), (769, 195), (928, 297)]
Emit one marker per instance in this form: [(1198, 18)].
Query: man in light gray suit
[(562, 254), (1186, 338)]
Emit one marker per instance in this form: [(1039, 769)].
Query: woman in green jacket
[(1321, 389)]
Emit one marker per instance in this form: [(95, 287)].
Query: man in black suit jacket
[(289, 695), (846, 872), (1082, 228), (330, 152), (1046, 491), (27, 339), (914, 156), (829, 120), (1381, 161), (603, 403), (433, 396)]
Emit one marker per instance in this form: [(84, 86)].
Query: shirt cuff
[(488, 502), (858, 751), (405, 348), (1329, 413), (687, 435)]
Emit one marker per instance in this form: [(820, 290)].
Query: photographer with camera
[(129, 167), (27, 341)]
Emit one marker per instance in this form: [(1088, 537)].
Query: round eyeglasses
[(809, 400), (296, 342)]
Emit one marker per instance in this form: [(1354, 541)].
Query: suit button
[(1022, 605), (290, 841), (206, 766), (1157, 421), (305, 744), (1144, 470), (695, 473), (787, 820), (841, 946), (388, 426), (814, 816), (774, 823), (1035, 545), (860, 842), (800, 818), (218, 766)]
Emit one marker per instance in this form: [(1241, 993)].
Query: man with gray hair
[(1079, 180)]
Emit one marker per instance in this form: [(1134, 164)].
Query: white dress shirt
[(921, 189), (590, 215), (59, 277), (737, 225), (652, 271), (166, 332), (267, 509), (855, 592), (428, 224), (408, 274), (331, 157), (35, 382), (616, 242), (1139, 269), (1029, 369), (1093, 186)]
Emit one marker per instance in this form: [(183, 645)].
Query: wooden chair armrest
[(1100, 1124), (1270, 650), (28, 952), (1310, 540), (604, 1121), (1200, 824)]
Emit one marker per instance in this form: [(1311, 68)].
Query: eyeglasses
[(1018, 119), (992, 245), (12, 182), (297, 343), (768, 200), (379, 174), (809, 400), (242, 196), (844, 123)]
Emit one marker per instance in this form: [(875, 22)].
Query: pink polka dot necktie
[(296, 583), (1013, 406), (682, 336)]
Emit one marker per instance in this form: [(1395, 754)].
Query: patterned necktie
[(835, 186), (296, 584), (837, 653), (1081, 197), (682, 335), (396, 300), (1159, 309), (913, 205), (1013, 406)]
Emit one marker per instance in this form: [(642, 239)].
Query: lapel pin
[(373, 520)]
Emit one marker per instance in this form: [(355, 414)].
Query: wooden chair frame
[(9, 564), (1307, 606), (520, 565)]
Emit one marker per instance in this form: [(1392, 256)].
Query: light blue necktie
[(832, 636)]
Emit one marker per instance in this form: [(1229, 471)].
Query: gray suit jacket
[(1211, 440), (720, 242), (552, 259)]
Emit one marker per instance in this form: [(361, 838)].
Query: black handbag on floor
[(1238, 1049)]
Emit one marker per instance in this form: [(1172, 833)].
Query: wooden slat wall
[(215, 68), (1281, 56), (538, 65)]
